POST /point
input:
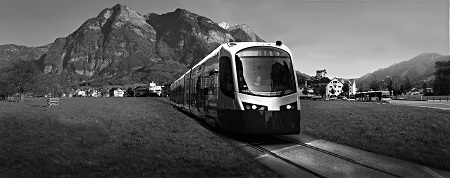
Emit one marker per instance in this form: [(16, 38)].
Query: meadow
[(420, 135), (146, 137), (104, 137)]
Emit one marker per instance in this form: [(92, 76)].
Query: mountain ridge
[(419, 69), (122, 44)]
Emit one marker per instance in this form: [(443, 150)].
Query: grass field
[(420, 135), (133, 137)]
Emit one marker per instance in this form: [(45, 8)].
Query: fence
[(437, 98), (52, 102), (13, 98), (425, 98)]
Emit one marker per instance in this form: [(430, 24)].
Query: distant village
[(341, 88), (320, 85), (137, 90)]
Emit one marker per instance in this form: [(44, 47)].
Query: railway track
[(266, 151), (260, 144), (290, 153)]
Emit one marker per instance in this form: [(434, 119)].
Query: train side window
[(225, 77)]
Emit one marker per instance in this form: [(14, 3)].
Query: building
[(154, 89), (309, 91), (321, 74), (334, 88), (116, 92), (141, 91)]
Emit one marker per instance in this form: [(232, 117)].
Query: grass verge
[(420, 135), (93, 137)]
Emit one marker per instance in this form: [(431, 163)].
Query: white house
[(336, 85), (116, 92), (154, 89)]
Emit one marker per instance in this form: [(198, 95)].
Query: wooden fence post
[(52, 102)]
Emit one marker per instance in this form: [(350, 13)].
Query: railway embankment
[(417, 134)]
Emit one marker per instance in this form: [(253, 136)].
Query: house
[(321, 74), (116, 92), (309, 92), (141, 91), (81, 93), (154, 89), (334, 88)]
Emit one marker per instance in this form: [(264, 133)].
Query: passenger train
[(248, 88)]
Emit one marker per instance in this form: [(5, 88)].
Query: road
[(444, 105)]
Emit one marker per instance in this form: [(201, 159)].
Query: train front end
[(266, 97)]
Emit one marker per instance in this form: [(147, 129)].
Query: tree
[(130, 92), (22, 75), (442, 78), (6, 88), (305, 91), (322, 90), (390, 86), (401, 90), (346, 88), (407, 84), (374, 85), (361, 88), (332, 91)]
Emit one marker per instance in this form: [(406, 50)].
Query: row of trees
[(398, 86), (441, 83), (23, 76), (395, 85)]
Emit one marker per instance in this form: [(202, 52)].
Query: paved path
[(444, 105)]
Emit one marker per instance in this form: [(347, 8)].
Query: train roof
[(234, 47), (237, 46)]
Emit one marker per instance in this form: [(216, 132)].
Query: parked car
[(386, 99), (315, 97)]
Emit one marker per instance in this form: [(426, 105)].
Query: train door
[(195, 91), (210, 92), (226, 85), (198, 92), (226, 95), (187, 97), (210, 85)]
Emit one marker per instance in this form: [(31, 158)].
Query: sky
[(348, 38)]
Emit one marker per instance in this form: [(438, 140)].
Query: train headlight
[(250, 106), (290, 106)]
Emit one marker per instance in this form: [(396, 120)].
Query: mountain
[(11, 51), (241, 32), (418, 69), (186, 37), (119, 44)]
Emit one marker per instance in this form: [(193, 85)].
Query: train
[(247, 88)]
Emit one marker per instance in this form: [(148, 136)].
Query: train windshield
[(265, 71)]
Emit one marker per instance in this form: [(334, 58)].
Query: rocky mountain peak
[(225, 25), (242, 32), (121, 44), (121, 14)]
